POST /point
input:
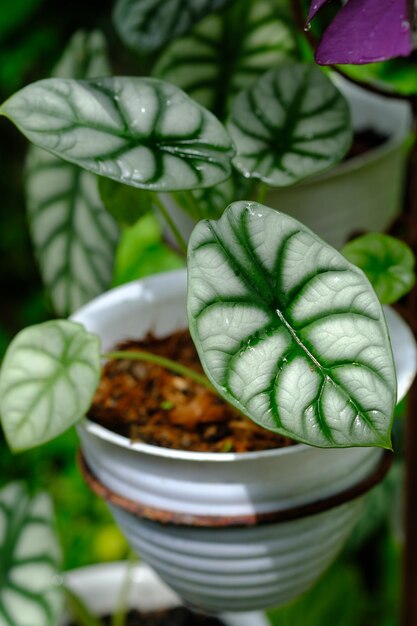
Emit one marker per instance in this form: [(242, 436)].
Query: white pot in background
[(100, 586), (364, 193), (220, 568)]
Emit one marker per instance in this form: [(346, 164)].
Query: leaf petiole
[(173, 366), (171, 224)]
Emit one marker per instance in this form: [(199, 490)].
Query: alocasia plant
[(97, 124), (288, 331), (29, 560), (227, 52), (48, 377), (74, 236), (265, 293), (291, 123), (145, 25), (365, 31)]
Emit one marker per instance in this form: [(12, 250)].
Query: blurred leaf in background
[(141, 252)]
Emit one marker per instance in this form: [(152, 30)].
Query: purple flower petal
[(365, 31), (314, 7)]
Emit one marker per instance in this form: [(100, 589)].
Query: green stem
[(171, 224), (80, 613), (262, 191), (191, 199), (120, 614), (177, 368)]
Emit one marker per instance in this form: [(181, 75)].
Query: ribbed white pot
[(361, 194), (224, 568), (100, 587)]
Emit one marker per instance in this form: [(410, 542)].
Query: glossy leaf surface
[(290, 124), (288, 331), (227, 53), (74, 237), (146, 25), (47, 381), (365, 31), (29, 560), (138, 131), (387, 262)]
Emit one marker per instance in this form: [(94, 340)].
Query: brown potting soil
[(364, 141), (148, 403), (178, 616)]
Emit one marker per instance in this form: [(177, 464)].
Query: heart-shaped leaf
[(47, 381), (146, 25), (139, 131), (227, 53), (29, 560), (387, 262), (74, 237), (290, 124), (289, 331)]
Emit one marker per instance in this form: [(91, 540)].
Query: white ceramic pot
[(224, 568), (362, 194), (100, 586)]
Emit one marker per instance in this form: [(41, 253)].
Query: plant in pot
[(287, 330)]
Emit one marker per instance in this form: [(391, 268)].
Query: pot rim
[(189, 455), (320, 505)]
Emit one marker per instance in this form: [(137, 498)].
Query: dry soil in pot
[(148, 403)]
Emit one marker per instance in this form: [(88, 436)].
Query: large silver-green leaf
[(227, 53), (29, 560), (289, 331), (74, 237), (146, 25), (388, 263), (139, 131), (47, 381), (289, 124)]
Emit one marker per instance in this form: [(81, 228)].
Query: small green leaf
[(138, 131), (73, 236), (288, 331), (47, 381), (227, 53), (29, 560), (387, 262), (126, 204), (146, 25), (290, 124)]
